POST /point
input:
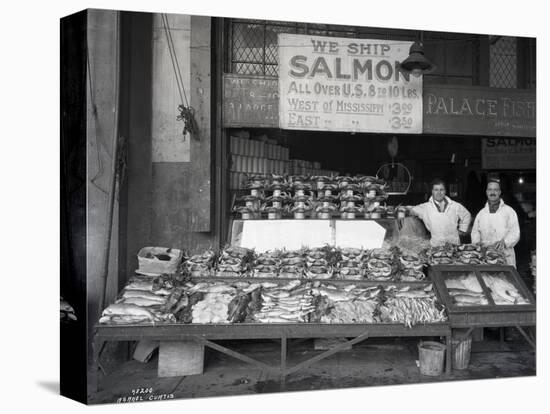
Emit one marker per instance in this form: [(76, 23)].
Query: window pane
[(248, 42), (503, 62), (248, 68)]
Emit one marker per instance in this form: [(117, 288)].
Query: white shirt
[(444, 225), (503, 224)]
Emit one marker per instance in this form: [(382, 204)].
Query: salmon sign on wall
[(342, 84)]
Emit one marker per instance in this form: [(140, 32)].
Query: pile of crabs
[(386, 264), (464, 254)]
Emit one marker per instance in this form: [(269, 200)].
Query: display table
[(495, 313), (207, 333)]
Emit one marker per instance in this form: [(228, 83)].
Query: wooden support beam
[(527, 338), (235, 354), (328, 353)]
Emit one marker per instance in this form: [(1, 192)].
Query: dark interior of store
[(455, 159)]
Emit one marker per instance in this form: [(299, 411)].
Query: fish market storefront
[(283, 211)]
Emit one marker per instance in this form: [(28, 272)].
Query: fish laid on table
[(199, 287), (213, 308), (466, 281), (334, 295), (502, 291), (252, 287), (126, 294), (185, 307), (140, 285), (182, 303), (123, 319), (456, 291), (237, 308), (220, 288), (360, 311), (413, 294), (173, 299), (463, 299), (121, 309), (139, 302)]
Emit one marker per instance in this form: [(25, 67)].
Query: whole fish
[(275, 294), (142, 294), (140, 285), (182, 303), (121, 309), (458, 291), (199, 287), (273, 319), (140, 302), (252, 287), (218, 288), (173, 299), (469, 300), (412, 294)]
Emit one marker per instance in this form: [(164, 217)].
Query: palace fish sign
[(342, 84)]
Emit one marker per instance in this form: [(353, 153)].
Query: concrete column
[(102, 34)]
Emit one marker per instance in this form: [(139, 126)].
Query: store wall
[(181, 165), (167, 197), (101, 115)]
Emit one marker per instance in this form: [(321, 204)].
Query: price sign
[(342, 84)]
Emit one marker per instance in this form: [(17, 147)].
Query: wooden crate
[(179, 358)]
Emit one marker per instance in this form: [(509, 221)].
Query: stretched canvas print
[(258, 206)]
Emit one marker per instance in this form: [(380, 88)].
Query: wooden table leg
[(283, 360), (97, 345), (448, 367)]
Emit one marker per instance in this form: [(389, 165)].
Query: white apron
[(443, 228), (494, 230)]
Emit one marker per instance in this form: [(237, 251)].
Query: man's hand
[(500, 245)]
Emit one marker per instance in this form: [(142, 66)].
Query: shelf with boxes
[(255, 156), (262, 155)]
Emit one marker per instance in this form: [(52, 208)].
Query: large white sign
[(342, 84)]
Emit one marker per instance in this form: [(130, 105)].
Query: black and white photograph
[(266, 205), (279, 206)]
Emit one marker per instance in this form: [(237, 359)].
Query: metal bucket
[(431, 356)]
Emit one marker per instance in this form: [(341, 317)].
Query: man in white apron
[(497, 224), (444, 218)]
